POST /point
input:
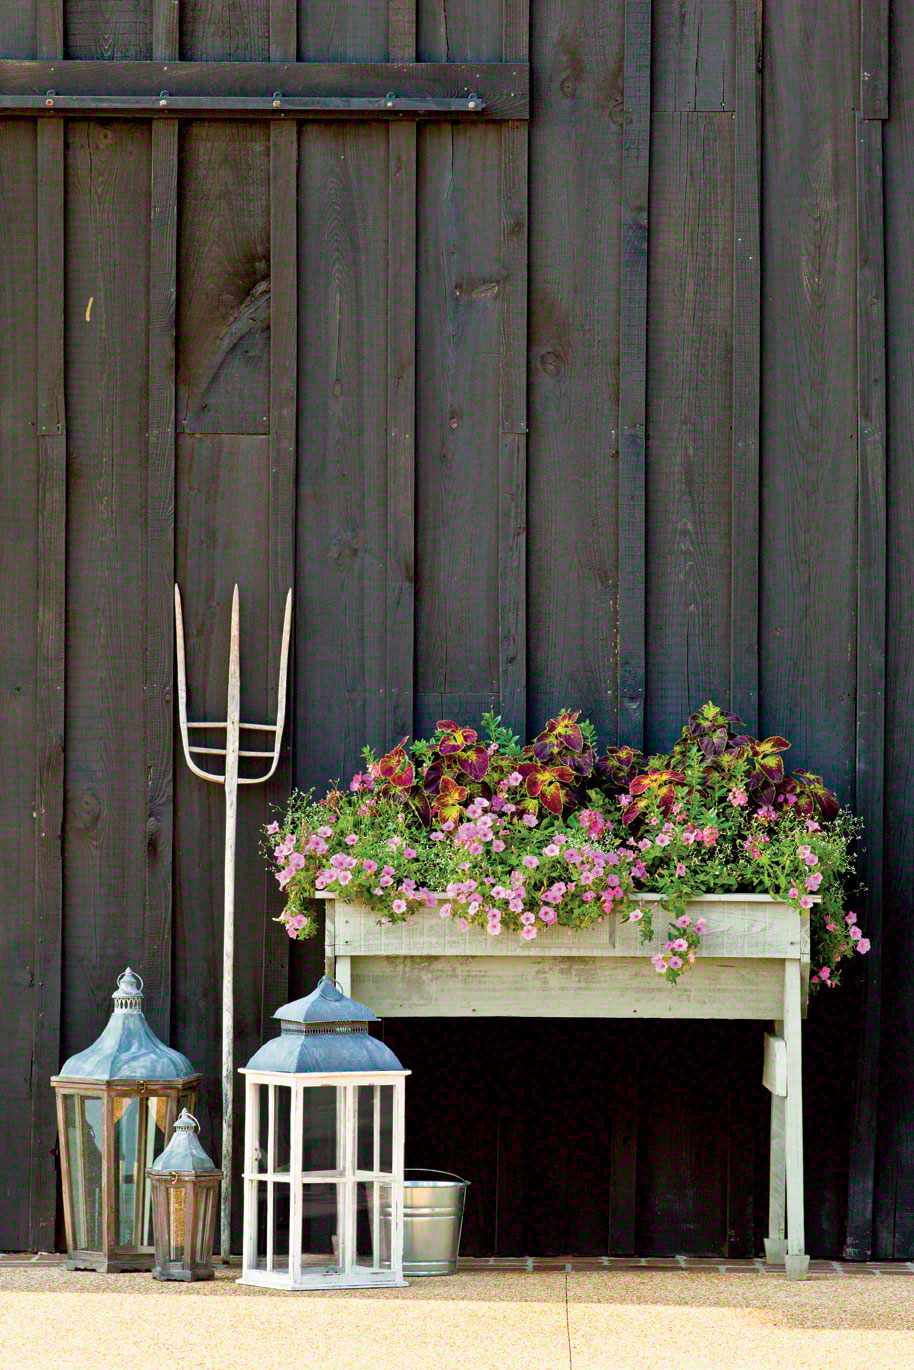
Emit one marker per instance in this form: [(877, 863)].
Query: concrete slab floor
[(619, 1319)]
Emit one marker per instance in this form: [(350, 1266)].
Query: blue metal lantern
[(116, 1107), (185, 1194), (324, 1144)]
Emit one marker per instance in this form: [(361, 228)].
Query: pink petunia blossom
[(863, 945), (528, 933), (272, 828), (548, 915), (399, 906), (825, 973), (850, 918), (636, 915), (675, 963), (856, 934), (530, 861), (530, 819)]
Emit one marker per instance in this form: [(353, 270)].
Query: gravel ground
[(51, 1319)]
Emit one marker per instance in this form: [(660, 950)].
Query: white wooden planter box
[(753, 963)]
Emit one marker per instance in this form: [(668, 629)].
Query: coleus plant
[(518, 838)]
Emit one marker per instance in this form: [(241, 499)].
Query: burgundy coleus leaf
[(542, 748), (582, 763), (552, 797), (474, 761), (455, 737), (449, 799), (431, 776), (813, 795), (396, 767)]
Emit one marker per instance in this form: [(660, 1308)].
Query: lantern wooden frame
[(349, 1273), (111, 1256), (201, 1199)]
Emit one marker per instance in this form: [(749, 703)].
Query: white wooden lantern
[(323, 1151)]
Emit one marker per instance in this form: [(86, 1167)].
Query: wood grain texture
[(809, 462), (871, 656), (329, 32), (457, 652), (809, 382), (225, 30), (113, 29), (342, 396), (107, 367), (575, 203), (689, 347), (512, 461), (49, 29), (746, 370), (874, 58), (694, 62), (633, 371), (401, 396), (160, 534), (283, 464), (894, 1218), (29, 850), (166, 30), (224, 266), (222, 537)]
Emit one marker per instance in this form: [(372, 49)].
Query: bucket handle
[(429, 1170)]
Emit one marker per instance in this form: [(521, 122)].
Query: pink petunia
[(528, 933), (863, 945), (272, 828), (636, 915), (530, 861), (399, 906), (675, 963)]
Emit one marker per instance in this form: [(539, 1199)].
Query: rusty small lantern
[(185, 1192), (116, 1107)]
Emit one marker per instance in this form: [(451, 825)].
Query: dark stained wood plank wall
[(31, 885), (573, 360), (690, 350), (160, 536), (458, 411), (107, 231), (808, 578), (636, 145), (401, 396), (894, 1227), (694, 66)]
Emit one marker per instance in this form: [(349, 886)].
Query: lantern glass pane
[(320, 1227), (375, 1111), (84, 1116), (322, 1130), (262, 1096), (157, 1112), (126, 1113), (206, 1203), (273, 1205), (372, 1225), (178, 1209), (279, 1161)]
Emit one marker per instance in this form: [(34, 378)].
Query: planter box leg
[(797, 1262), (775, 1243)]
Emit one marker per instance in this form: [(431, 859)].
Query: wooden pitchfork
[(230, 779)]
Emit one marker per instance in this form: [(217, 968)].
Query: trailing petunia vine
[(519, 839)]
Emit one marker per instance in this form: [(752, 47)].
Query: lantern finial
[(128, 997)]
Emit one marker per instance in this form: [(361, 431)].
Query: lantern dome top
[(325, 1033), (325, 1004), (128, 1049), (184, 1152)]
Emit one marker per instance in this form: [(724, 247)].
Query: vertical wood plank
[(49, 28), (283, 30), (283, 456), (744, 467), (874, 59), (633, 370), (160, 532), (871, 658), (512, 456), (401, 394), (165, 30), (573, 383), (50, 647)]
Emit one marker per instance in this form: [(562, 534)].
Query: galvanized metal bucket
[(432, 1222)]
